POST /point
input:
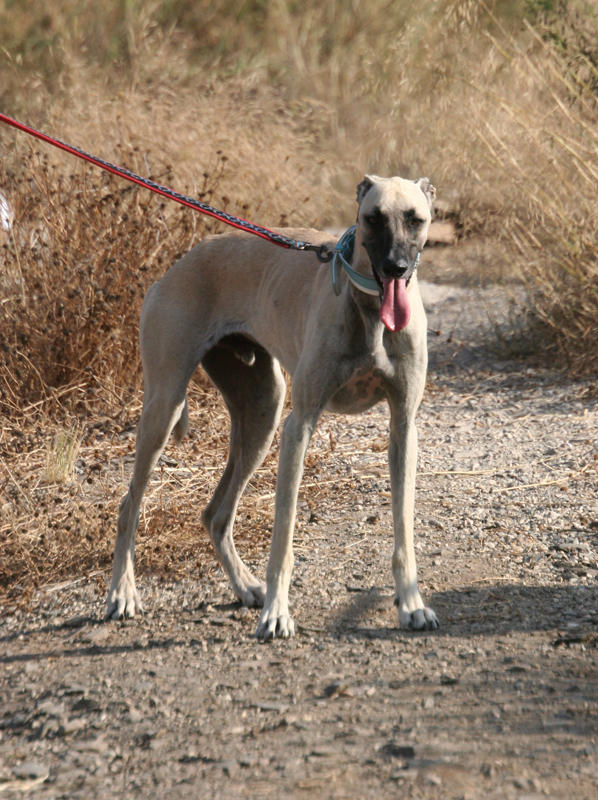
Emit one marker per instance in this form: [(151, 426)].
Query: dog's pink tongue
[(395, 311)]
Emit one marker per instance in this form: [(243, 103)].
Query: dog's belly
[(363, 390)]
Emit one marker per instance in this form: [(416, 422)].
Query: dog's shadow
[(482, 611), (568, 612)]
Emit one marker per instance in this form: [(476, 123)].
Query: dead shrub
[(84, 248), (542, 145)]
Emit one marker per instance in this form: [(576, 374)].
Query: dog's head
[(393, 218)]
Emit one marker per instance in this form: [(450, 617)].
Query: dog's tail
[(182, 425)]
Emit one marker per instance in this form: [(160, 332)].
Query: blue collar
[(343, 251)]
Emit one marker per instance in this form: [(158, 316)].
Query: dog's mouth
[(395, 310)]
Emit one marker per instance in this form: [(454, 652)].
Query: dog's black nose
[(394, 269)]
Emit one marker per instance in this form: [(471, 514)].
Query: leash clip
[(324, 253)]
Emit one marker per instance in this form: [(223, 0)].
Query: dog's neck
[(361, 261), (368, 304)]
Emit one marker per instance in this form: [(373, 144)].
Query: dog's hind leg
[(254, 390), (162, 410)]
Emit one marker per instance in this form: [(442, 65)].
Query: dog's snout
[(394, 269)]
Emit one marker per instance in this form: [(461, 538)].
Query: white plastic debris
[(6, 214)]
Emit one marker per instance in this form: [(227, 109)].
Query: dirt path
[(501, 702)]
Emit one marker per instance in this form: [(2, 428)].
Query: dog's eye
[(373, 219), (412, 220)]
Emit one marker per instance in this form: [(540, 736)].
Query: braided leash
[(323, 253)]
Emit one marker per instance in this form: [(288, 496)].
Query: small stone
[(49, 728), (402, 775), (230, 767), (325, 751), (97, 745), (76, 622), (280, 707), (394, 750), (219, 621), (31, 770), (87, 704), (50, 709), (432, 779), (448, 680), (337, 689), (73, 688), (73, 725), (97, 636), (134, 715), (190, 757), (157, 743)]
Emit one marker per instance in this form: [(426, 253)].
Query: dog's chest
[(363, 390)]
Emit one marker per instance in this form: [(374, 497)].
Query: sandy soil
[(501, 702)]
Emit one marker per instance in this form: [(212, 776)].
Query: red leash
[(321, 251)]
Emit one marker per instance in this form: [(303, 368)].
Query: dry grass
[(77, 265), (59, 527), (548, 164), (62, 454), (274, 111)]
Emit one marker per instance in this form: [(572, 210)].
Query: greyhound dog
[(242, 308)]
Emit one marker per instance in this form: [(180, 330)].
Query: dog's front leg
[(275, 619), (402, 456)]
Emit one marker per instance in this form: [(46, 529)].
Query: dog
[(243, 308)]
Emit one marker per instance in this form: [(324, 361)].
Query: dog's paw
[(122, 602), (252, 595), (275, 622), (422, 619)]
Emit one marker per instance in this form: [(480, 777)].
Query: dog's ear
[(364, 187), (429, 191)]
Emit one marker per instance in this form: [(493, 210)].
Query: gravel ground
[(501, 702)]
